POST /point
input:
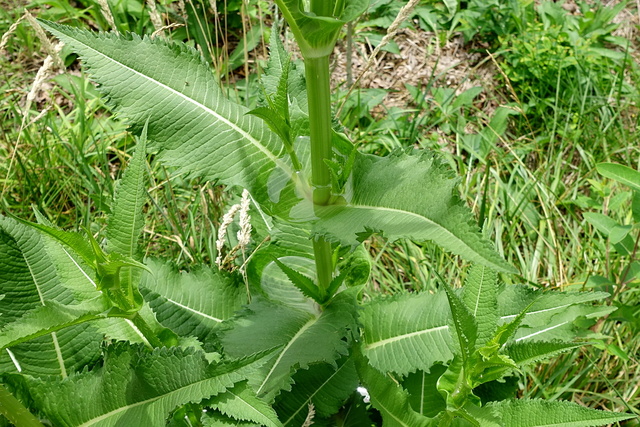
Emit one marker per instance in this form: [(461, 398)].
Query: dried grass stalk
[(106, 12)]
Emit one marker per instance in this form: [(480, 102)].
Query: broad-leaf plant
[(94, 334)]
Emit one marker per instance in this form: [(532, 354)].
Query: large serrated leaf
[(190, 122), (58, 354), (542, 413), (523, 353), (407, 332), (45, 289), (552, 315), (324, 386), (127, 220), (135, 387), (194, 303), (411, 332), (303, 337), (241, 403), (50, 318), (480, 295), (406, 195)]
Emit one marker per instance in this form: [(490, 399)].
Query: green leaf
[(277, 286), (608, 227), (291, 244), (127, 220), (423, 393), (635, 206), (454, 386), (524, 353), (49, 318), (620, 173), (216, 419), (57, 354), (406, 195), (302, 337), (464, 324), (324, 386), (123, 294), (241, 403), (553, 313), (80, 244), (275, 122), (480, 295), (136, 387), (35, 270), (401, 335), (190, 122), (44, 290), (317, 35), (179, 303), (306, 285), (280, 63), (389, 398), (542, 413)]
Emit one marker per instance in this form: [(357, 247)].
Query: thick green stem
[(146, 330), (15, 411), (319, 93), (324, 263)]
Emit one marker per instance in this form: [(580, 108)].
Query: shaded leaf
[(324, 386), (424, 397), (389, 398)]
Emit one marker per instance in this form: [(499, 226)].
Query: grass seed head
[(244, 235), (11, 30), (155, 17), (227, 219), (106, 12)]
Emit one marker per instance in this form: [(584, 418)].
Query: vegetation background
[(522, 97)]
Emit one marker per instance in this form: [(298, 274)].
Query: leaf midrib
[(424, 331), (193, 310), (423, 218), (402, 337), (304, 327), (306, 402), (143, 402)]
